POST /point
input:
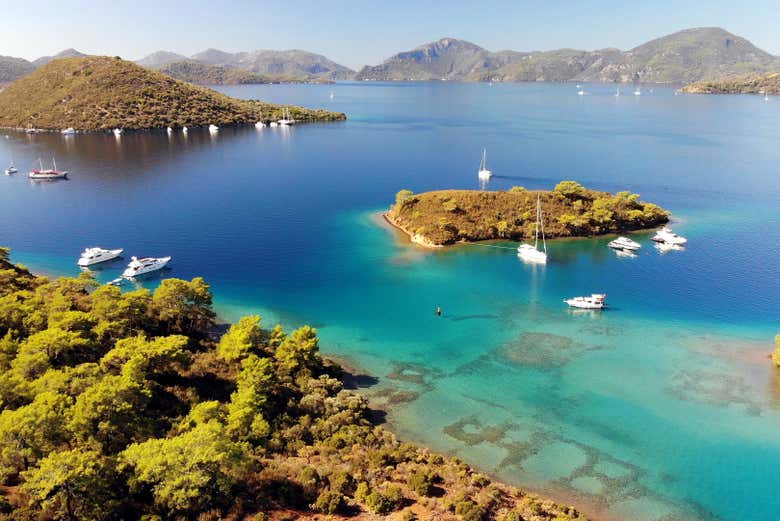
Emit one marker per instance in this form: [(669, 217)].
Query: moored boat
[(95, 255), (11, 169), (624, 243), (287, 119), (213, 128), (531, 253), (68, 131), (594, 301), (483, 173), (51, 173), (667, 236), (144, 265)]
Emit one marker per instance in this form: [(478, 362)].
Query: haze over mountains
[(682, 57)]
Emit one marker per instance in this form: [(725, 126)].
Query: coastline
[(416, 238)]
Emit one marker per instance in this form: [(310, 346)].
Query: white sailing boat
[(52, 173), (638, 91), (617, 92), (484, 174), (287, 119), (530, 253)]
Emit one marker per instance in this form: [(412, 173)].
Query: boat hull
[(112, 255), (130, 273)]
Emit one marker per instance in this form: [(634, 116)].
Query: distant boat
[(483, 173), (52, 173), (96, 255), (287, 119), (638, 91), (68, 131), (119, 281), (11, 169), (666, 236), (595, 301), (332, 95), (144, 265), (259, 124), (766, 97), (169, 130), (273, 124), (530, 253), (184, 129), (213, 128), (624, 243), (581, 92), (617, 92), (118, 132)]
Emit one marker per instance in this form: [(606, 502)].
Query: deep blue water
[(664, 406)]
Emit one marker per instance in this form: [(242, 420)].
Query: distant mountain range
[(682, 57), (691, 55)]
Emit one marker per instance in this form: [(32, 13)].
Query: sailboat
[(617, 92), (52, 173), (484, 174), (530, 253), (638, 91), (286, 118)]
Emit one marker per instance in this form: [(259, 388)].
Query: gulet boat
[(595, 301), (52, 173)]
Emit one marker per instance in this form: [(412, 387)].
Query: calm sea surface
[(664, 407)]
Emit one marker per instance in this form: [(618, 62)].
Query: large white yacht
[(667, 236), (95, 255), (595, 301), (144, 265), (531, 253), (624, 243), (483, 173)]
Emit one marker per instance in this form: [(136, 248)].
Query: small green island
[(100, 93), (139, 405), (446, 217), (768, 83)]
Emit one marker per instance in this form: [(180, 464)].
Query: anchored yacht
[(68, 131), (11, 169), (483, 173), (213, 128), (530, 253), (52, 173), (259, 124), (595, 301), (118, 132), (667, 236), (95, 255), (287, 119), (144, 265), (624, 243)]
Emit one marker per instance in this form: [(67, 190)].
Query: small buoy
[(438, 310)]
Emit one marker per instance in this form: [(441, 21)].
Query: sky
[(357, 33)]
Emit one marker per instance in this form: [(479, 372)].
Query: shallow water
[(664, 407)]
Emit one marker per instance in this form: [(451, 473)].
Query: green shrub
[(402, 196), (467, 510), (386, 501), (329, 502), (421, 482), (362, 491), (571, 190), (342, 482), (776, 353), (517, 189), (480, 480), (512, 515)]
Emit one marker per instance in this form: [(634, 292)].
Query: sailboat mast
[(536, 234), (54, 164), (541, 221)]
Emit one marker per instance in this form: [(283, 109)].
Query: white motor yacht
[(624, 243), (95, 255), (118, 132), (273, 124), (68, 131), (595, 301), (144, 265), (11, 169), (483, 173), (169, 130), (185, 129), (287, 119), (259, 124), (531, 253), (213, 128), (667, 236)]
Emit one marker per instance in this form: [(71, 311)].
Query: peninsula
[(98, 93), (137, 405), (768, 83), (447, 217)]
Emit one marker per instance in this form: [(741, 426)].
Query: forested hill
[(131, 406)]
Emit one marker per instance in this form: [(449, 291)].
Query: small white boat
[(638, 91), (96, 255), (68, 131), (213, 128), (766, 97), (273, 124), (617, 92), (52, 173), (581, 92), (118, 132), (185, 129), (287, 119), (483, 173), (119, 281), (259, 124), (595, 301), (667, 236), (530, 253), (332, 95), (11, 169), (144, 265), (624, 243), (169, 130)]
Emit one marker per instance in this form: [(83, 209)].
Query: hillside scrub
[(97, 93), (570, 210), (132, 406)]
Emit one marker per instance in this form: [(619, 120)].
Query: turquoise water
[(664, 407)]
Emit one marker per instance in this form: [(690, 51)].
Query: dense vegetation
[(570, 210), (776, 353), (100, 93), (130, 406), (748, 84)]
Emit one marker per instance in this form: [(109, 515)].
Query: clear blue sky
[(356, 33)]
